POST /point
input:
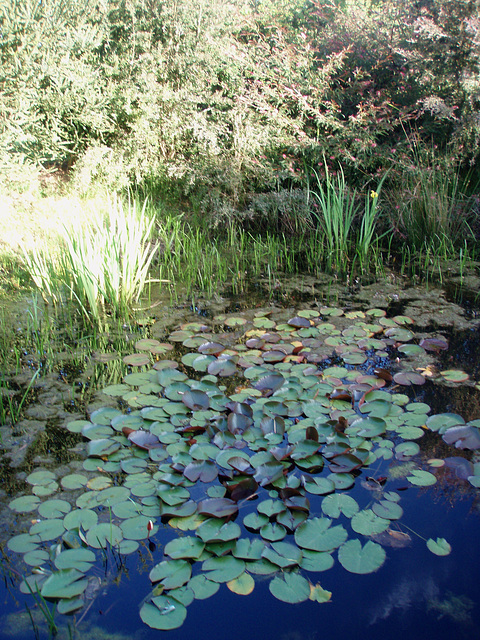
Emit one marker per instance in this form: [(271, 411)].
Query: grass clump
[(103, 265)]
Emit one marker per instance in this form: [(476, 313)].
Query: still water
[(415, 594)]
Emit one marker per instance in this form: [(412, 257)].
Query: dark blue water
[(415, 595)]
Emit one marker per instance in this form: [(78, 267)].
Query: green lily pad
[(439, 547), (202, 587), (387, 509), (102, 447), (223, 569), (443, 421), (23, 543), (80, 559), (216, 530), (336, 504), (317, 535), (48, 529), (54, 508), (319, 486), (24, 504), (368, 524), (454, 375), (243, 585), (422, 478), (73, 481), (65, 583), (103, 534), (70, 605), (80, 518), (357, 559), (186, 547), (273, 531), (316, 560), (40, 477), (291, 587), (36, 557), (172, 573), (163, 613)]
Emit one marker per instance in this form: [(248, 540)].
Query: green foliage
[(104, 264), (336, 211), (218, 104)]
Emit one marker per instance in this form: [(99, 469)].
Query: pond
[(300, 464)]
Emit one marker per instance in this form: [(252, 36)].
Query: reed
[(334, 214), (102, 265), (367, 231)]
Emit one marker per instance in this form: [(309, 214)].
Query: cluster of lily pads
[(247, 444)]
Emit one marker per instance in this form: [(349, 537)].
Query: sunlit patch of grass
[(103, 265)]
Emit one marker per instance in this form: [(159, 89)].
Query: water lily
[(149, 528)]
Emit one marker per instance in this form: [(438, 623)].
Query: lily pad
[(223, 569), (163, 613), (291, 587), (422, 478), (65, 583), (439, 547), (357, 559), (317, 534)]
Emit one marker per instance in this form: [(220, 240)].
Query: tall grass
[(367, 232), (431, 203), (103, 265), (334, 213)]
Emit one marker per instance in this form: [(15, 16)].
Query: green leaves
[(440, 547), (291, 587), (317, 535), (357, 559), (245, 478)]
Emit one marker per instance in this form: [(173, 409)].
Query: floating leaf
[(24, 504), (318, 594), (387, 509), (317, 535), (204, 470), (217, 507), (439, 547), (23, 543), (80, 559), (102, 447), (338, 503), (443, 421), (422, 478), (407, 378), (463, 437), (186, 547), (48, 529), (65, 583), (243, 585), (454, 375), (291, 587), (172, 573), (216, 530), (202, 587), (136, 359), (54, 508), (106, 533), (223, 569), (357, 559), (163, 613), (367, 523)]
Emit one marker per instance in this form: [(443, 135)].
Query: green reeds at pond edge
[(10, 406), (102, 265), (335, 208)]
